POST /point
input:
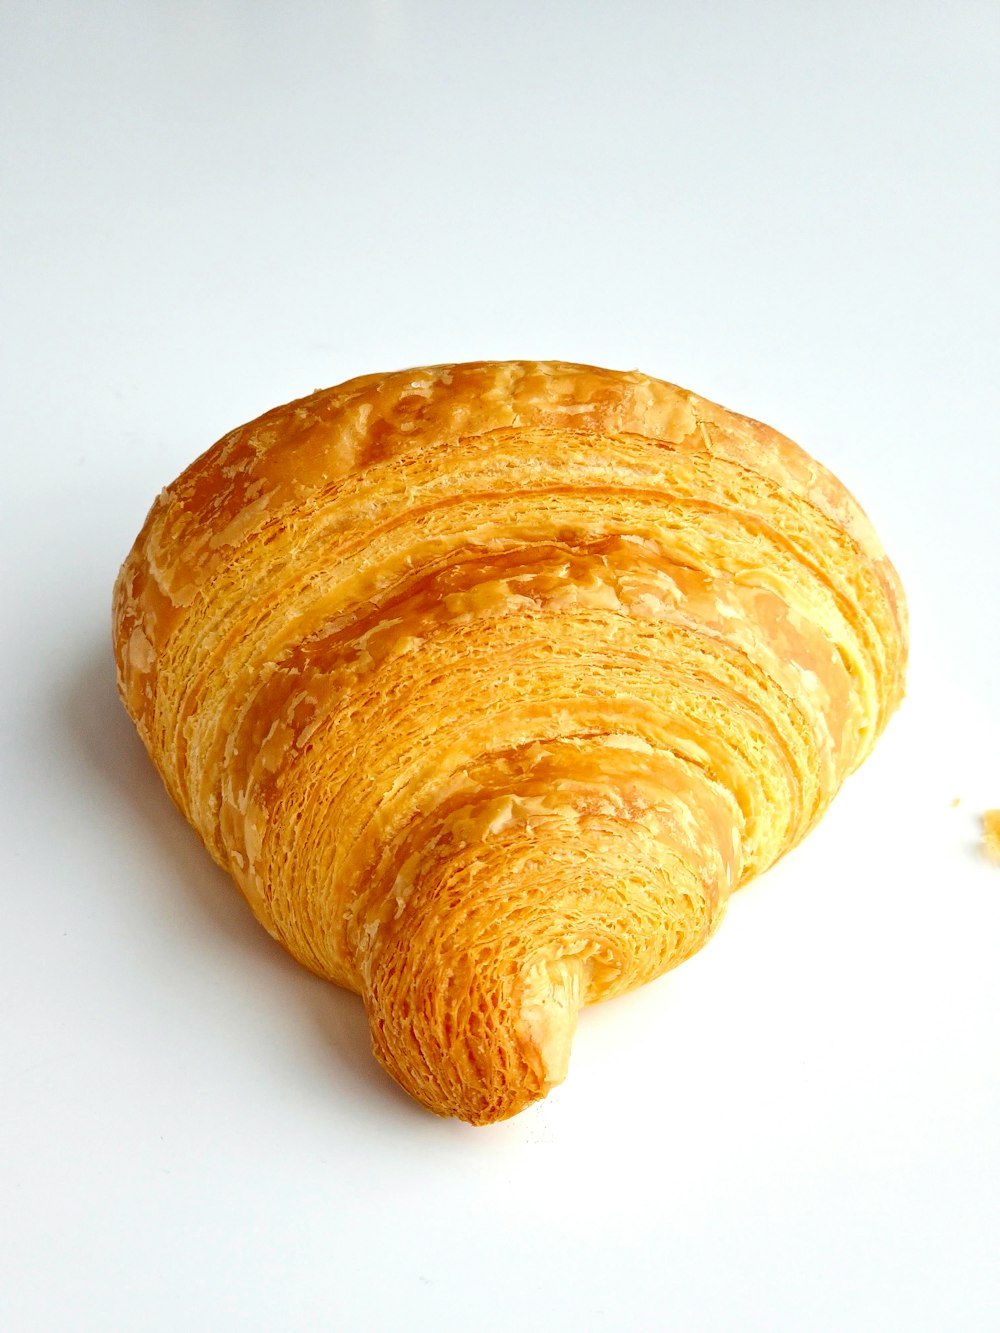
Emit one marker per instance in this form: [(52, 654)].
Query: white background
[(209, 208)]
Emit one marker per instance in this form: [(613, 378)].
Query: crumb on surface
[(955, 801), (991, 834)]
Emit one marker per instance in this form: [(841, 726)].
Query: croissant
[(489, 683)]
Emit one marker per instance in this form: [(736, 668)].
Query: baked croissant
[(489, 683)]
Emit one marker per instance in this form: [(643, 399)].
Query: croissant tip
[(553, 993), (552, 999), (506, 1055)]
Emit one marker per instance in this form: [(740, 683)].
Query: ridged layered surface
[(489, 683)]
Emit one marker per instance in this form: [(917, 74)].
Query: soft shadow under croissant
[(488, 684)]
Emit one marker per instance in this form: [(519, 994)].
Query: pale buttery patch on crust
[(489, 683), (991, 834)]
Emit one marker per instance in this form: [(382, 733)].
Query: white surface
[(211, 208)]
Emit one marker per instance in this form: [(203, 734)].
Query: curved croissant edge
[(489, 683)]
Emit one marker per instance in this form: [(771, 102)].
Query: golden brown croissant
[(488, 683)]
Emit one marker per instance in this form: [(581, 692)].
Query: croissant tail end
[(552, 998), (475, 1046)]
